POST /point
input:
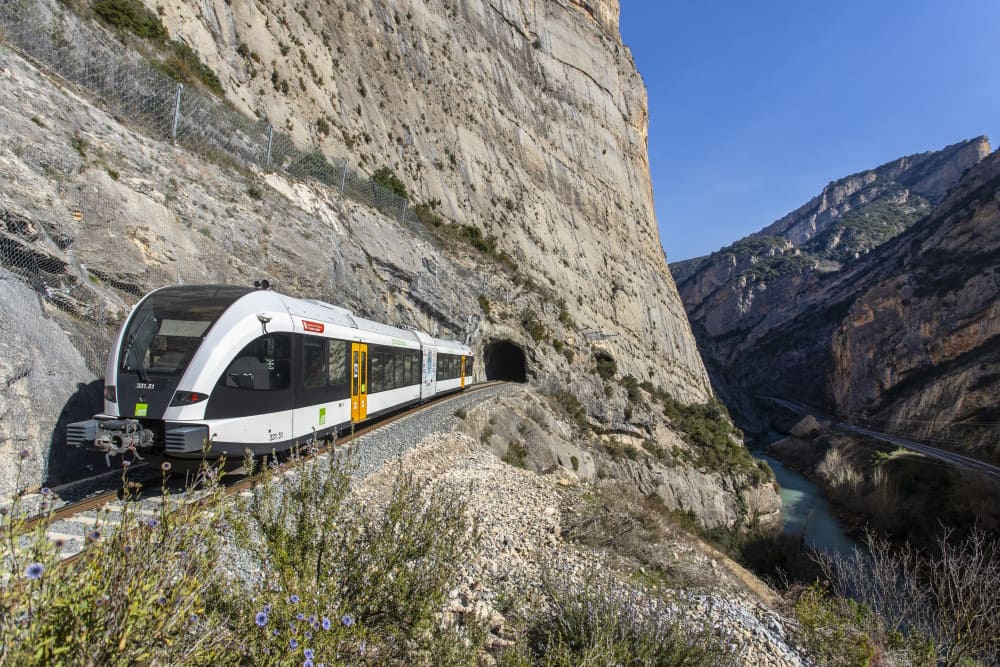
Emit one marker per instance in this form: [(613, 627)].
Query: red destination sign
[(312, 326)]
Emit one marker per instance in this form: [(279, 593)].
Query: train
[(221, 369)]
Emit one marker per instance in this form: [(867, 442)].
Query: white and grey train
[(223, 369)]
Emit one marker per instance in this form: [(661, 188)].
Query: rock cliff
[(903, 333), (524, 121)]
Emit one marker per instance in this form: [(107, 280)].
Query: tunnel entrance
[(505, 361)]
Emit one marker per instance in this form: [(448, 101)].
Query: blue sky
[(755, 106)]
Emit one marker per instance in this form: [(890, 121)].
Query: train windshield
[(166, 330)]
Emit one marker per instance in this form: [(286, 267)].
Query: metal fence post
[(177, 112), (270, 138), (343, 178)]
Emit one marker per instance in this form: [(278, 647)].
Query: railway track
[(144, 486)]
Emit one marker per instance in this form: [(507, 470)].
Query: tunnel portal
[(505, 361)]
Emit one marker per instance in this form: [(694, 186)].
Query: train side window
[(263, 365), (415, 378), (399, 370), (314, 362), (388, 368), (407, 367), (375, 369), (337, 363)]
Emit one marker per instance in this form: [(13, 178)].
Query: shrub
[(534, 326), (832, 629), (378, 572), (312, 165), (182, 64), (717, 442), (600, 623), (427, 214), (484, 304), (131, 15), (129, 599), (388, 180), (607, 367), (944, 603), (562, 401), (516, 455)]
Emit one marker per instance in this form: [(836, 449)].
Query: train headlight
[(182, 398), (110, 394)]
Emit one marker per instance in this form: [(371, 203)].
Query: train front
[(143, 380)]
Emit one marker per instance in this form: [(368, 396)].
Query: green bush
[(388, 180), (484, 304), (131, 598), (182, 64), (427, 213), (131, 15), (312, 165), (717, 442), (534, 326), (562, 401), (607, 367), (597, 624), (516, 455), (380, 571), (566, 318), (832, 629)]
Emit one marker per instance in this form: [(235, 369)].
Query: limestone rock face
[(525, 119), (40, 371), (716, 501)]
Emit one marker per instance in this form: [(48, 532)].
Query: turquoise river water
[(806, 512)]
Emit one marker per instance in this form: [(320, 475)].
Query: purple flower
[(260, 619), (347, 620), (300, 617), (308, 653), (93, 536), (292, 643), (152, 523), (59, 543), (294, 599), (326, 623), (34, 571), (312, 620), (45, 491), (307, 663), (165, 466), (308, 635), (126, 463), (24, 453)]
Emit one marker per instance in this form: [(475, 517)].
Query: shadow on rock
[(65, 463)]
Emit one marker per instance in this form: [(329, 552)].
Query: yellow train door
[(359, 382), (461, 383)]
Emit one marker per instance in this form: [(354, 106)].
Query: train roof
[(313, 309)]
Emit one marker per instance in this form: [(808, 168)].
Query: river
[(805, 511)]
